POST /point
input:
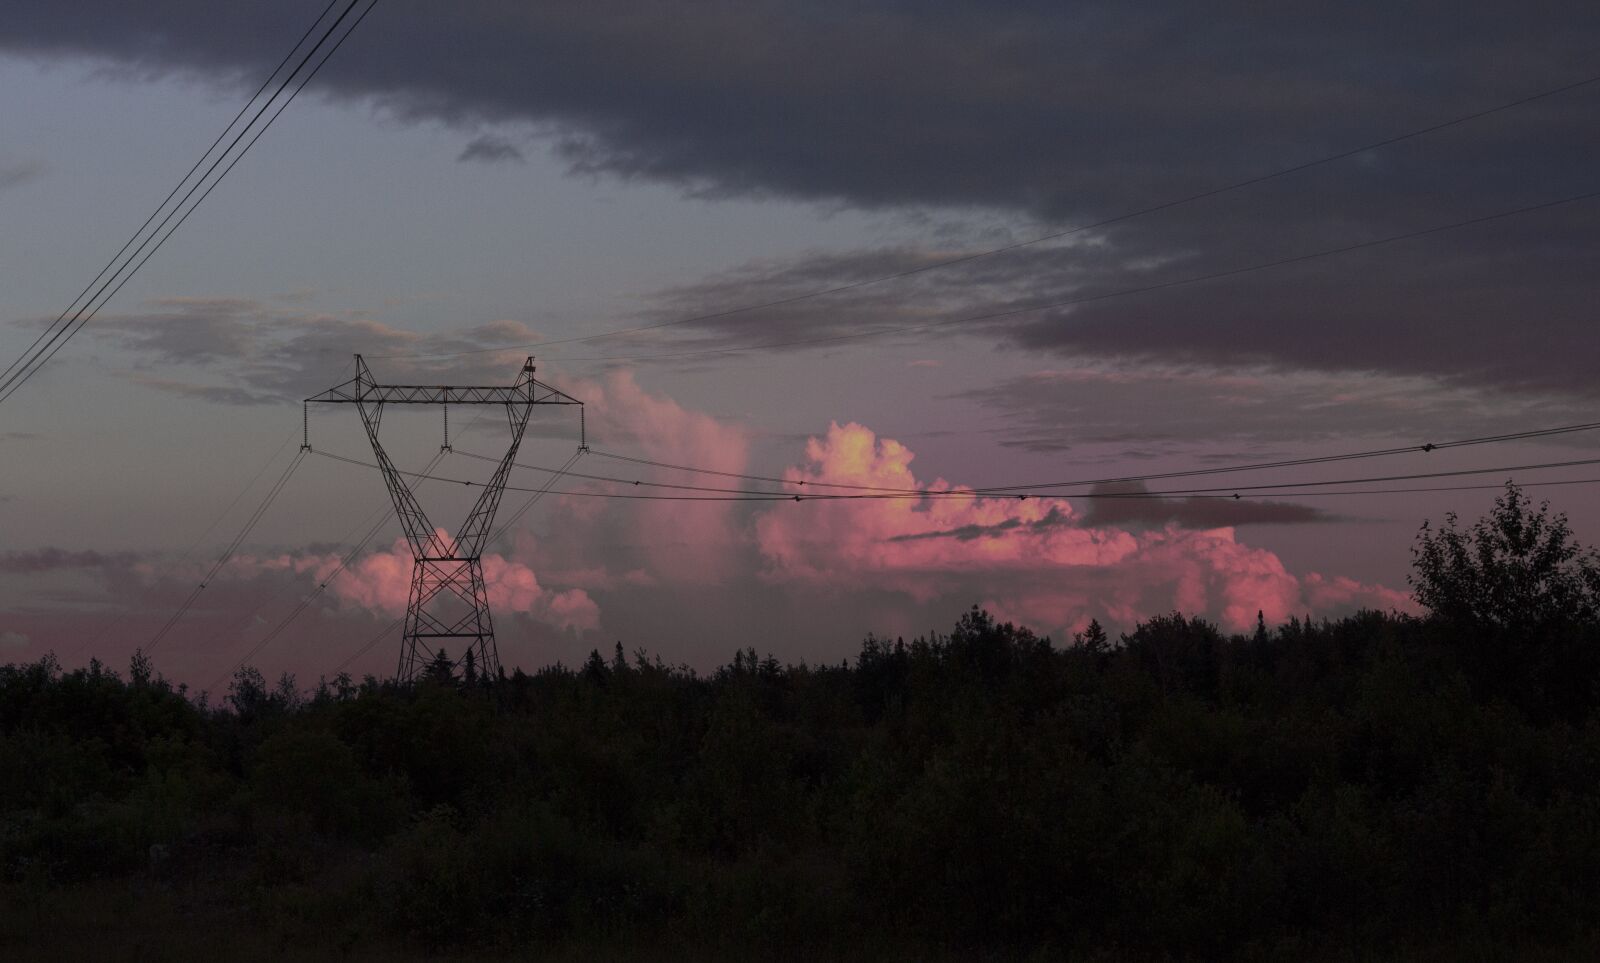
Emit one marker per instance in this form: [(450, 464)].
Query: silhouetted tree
[(140, 668), (1093, 638), (440, 668), (595, 669), (1520, 598), (247, 692), (1516, 566)]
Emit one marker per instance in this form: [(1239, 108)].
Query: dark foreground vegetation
[(1380, 786)]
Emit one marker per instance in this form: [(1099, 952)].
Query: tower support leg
[(448, 625)]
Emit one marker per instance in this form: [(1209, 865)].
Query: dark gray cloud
[(1054, 518), (1509, 303), (1068, 108), (1246, 414), (1128, 505), (1116, 508), (1057, 113), (490, 149)]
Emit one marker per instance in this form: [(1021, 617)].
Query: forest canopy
[(1378, 784)]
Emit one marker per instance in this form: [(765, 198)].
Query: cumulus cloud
[(13, 640), (380, 582), (682, 541), (678, 576), (1037, 561)]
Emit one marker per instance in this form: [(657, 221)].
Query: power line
[(176, 188), (37, 356), (1423, 447), (1011, 491), (516, 516), (227, 553), (1103, 296), (372, 520), (389, 629), (322, 585), (100, 635), (1040, 239), (1448, 488), (366, 647), (1278, 487)]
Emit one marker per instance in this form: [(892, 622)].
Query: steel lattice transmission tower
[(448, 598)]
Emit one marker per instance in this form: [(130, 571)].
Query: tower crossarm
[(535, 393), (362, 389)]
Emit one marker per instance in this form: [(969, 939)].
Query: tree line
[(1377, 784)]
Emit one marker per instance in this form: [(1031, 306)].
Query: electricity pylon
[(449, 599)]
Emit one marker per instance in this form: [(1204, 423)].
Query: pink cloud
[(381, 583), (1032, 561), (673, 541)]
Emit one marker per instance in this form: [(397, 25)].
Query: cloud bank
[(1036, 561), (1050, 114)]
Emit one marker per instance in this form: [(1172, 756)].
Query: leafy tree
[(1516, 567), (247, 692), (1521, 599), (140, 669)]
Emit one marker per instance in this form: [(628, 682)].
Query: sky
[(467, 184)]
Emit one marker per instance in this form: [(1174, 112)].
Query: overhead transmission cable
[(373, 520), (1044, 491), (322, 585), (176, 188), (64, 328), (188, 552), (1424, 447), (228, 551), (516, 516), (366, 646), (1547, 483), (1038, 239)]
